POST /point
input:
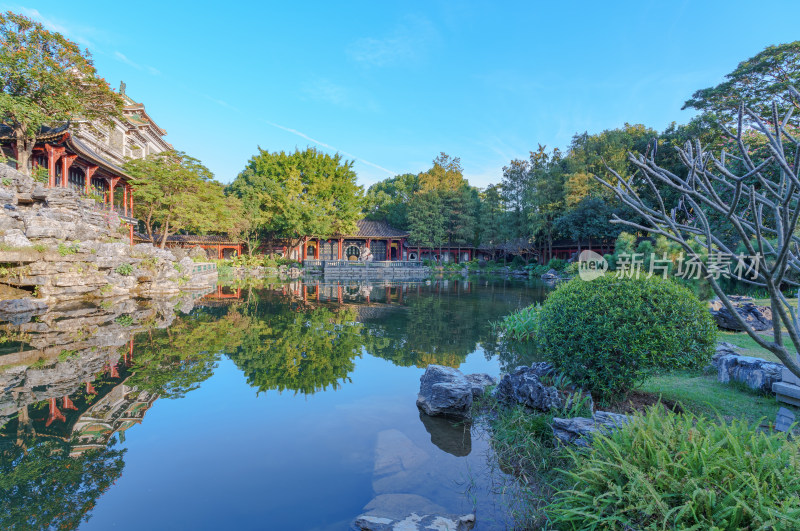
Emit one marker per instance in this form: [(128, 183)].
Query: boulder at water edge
[(445, 391), (524, 387)]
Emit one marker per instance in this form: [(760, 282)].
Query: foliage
[(521, 325), (124, 269), (175, 192), (388, 200), (667, 471), (609, 334), (292, 195), (65, 250), (755, 83), (47, 80), (444, 210)]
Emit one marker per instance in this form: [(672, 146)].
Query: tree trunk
[(165, 235), (24, 152)]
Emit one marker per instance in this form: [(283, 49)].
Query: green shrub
[(520, 325), (665, 471), (124, 269), (65, 250), (518, 262), (556, 263), (610, 334)]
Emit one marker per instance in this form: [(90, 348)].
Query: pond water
[(288, 406)]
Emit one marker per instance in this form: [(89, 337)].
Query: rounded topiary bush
[(609, 334), (667, 471)]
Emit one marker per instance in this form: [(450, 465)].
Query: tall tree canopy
[(388, 200), (444, 209), (175, 192), (46, 80), (755, 83), (305, 193)]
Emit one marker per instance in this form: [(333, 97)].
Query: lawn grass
[(702, 394)]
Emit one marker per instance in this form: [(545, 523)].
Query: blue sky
[(391, 84)]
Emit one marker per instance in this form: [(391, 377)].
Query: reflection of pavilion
[(117, 411), (89, 415)]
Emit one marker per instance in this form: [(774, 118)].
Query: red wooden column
[(316, 250), (88, 175), (130, 197), (388, 250), (125, 199), (305, 249), (52, 157), (368, 242), (112, 183), (66, 163), (341, 245), (219, 252)]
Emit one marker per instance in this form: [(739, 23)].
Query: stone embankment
[(60, 246)]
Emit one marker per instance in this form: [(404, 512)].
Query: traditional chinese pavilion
[(374, 241), (88, 156)]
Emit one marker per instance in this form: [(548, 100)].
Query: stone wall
[(61, 246)]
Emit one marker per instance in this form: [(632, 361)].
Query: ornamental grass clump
[(609, 334), (520, 325), (667, 471)]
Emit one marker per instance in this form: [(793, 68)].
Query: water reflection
[(78, 376)]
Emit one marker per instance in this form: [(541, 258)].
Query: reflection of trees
[(440, 325), (296, 347), (173, 361), (43, 487)]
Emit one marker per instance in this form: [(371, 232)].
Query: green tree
[(545, 196), (176, 192), (492, 216), (755, 82), (516, 195), (46, 80), (305, 193), (427, 220), (388, 200)]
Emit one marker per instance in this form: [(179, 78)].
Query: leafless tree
[(761, 205)]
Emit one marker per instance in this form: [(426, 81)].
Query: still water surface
[(288, 406)]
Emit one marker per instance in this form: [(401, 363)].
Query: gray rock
[(395, 452), (479, 383), (415, 522), (524, 387), (409, 512), (16, 238), (551, 275), (757, 317), (579, 430), (198, 253), (756, 373), (445, 391)]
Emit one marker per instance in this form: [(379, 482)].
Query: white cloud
[(407, 42)]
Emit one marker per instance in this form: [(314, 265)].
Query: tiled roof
[(376, 229), (45, 133)]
